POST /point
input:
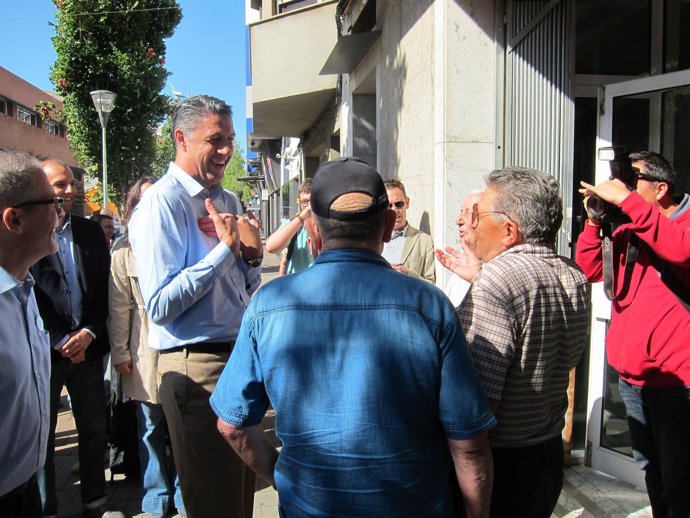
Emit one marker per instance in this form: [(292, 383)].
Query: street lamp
[(104, 101)]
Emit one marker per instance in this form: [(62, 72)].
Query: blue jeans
[(156, 479), (659, 421), (84, 383)]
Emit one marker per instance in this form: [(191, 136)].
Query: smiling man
[(197, 271), (70, 290), (29, 211)]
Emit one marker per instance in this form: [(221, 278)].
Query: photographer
[(648, 341)]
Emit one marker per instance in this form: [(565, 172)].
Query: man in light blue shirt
[(27, 233), (197, 270)]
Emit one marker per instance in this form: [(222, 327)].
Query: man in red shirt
[(647, 342)]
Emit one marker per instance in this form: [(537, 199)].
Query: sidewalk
[(586, 492)]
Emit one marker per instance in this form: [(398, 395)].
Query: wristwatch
[(254, 263)]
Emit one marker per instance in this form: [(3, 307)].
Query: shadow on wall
[(405, 130)]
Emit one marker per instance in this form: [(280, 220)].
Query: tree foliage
[(164, 149), (234, 170), (115, 45)]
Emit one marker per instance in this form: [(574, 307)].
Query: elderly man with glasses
[(27, 233), (410, 251), (72, 296), (647, 341), (526, 318)]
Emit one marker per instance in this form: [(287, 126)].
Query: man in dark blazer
[(72, 295)]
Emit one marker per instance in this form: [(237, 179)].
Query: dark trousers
[(659, 421), (527, 480), (84, 383), (22, 502)]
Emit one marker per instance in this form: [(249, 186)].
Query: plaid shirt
[(526, 319)]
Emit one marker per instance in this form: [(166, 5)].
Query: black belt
[(203, 347), (19, 489)]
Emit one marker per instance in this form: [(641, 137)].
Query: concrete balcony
[(287, 53)]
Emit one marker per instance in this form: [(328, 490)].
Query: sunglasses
[(646, 177), (398, 205), (57, 202)]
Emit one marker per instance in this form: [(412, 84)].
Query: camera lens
[(596, 207)]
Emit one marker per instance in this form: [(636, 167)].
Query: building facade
[(437, 93), (30, 122), (22, 125)]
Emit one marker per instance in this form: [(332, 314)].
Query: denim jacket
[(369, 374)]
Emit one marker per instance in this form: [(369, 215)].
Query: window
[(52, 127), (3, 106), (26, 116)]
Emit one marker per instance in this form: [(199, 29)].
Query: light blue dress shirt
[(24, 383), (194, 288), (65, 240)]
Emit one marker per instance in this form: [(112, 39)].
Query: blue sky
[(206, 54)]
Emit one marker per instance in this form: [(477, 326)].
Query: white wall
[(435, 66)]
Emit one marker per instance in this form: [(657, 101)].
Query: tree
[(164, 149), (234, 170), (114, 45)]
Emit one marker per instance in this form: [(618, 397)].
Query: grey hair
[(17, 181), (532, 199), (189, 113)]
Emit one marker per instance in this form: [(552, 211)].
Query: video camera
[(621, 169)]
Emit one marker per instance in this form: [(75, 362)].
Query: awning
[(348, 51)]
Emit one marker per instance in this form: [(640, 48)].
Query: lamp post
[(104, 101)]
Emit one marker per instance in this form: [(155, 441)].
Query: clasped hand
[(76, 345), (238, 233)]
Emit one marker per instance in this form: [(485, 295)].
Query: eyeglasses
[(303, 203), (476, 215), (398, 205), (57, 202)]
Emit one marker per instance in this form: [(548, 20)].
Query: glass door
[(652, 113)]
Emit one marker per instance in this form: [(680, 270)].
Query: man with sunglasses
[(526, 320), (72, 295), (647, 341), (410, 251), (27, 233)]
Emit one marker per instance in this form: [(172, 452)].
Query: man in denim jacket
[(368, 372)]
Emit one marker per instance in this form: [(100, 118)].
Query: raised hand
[(612, 191), (250, 238), (225, 226), (462, 263)]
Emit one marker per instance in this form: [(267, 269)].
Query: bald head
[(62, 180)]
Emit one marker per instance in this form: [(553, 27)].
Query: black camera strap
[(291, 246), (609, 274)]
